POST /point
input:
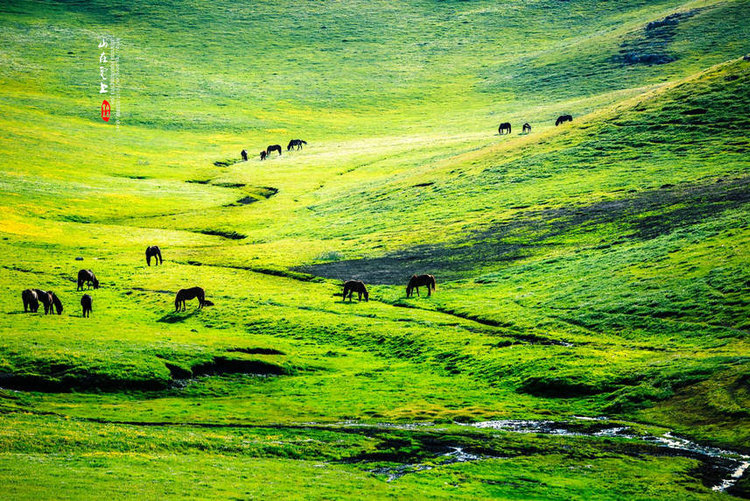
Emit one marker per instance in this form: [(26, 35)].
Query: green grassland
[(596, 269)]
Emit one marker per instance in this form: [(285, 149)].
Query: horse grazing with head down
[(155, 252), (87, 277), (295, 143), (86, 305), (505, 126), (417, 281), (562, 119), (53, 301), (43, 298), (30, 300), (272, 148), (526, 128), (184, 295), (357, 286)]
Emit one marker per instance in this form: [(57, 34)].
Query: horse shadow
[(174, 317)]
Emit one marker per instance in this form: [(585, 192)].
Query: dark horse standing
[(263, 155), (244, 155), (184, 295), (53, 300), (30, 300), (416, 281), (155, 252), (562, 119), (526, 128), (295, 143), (86, 304), (357, 286), (87, 277), (505, 126), (272, 148)]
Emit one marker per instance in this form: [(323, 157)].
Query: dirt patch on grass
[(232, 235)]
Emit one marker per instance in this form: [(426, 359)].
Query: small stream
[(731, 465)]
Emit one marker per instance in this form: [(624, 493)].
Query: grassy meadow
[(594, 274)]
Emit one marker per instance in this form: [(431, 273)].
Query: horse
[(244, 155), (87, 277), (43, 298), (272, 148), (263, 155), (30, 300), (295, 142), (184, 295), (53, 301), (562, 119), (526, 128), (155, 252), (357, 286), (416, 281), (504, 126), (86, 304)]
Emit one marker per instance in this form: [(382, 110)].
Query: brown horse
[(562, 119), (272, 148), (244, 155), (263, 155), (416, 281), (86, 304), (295, 143), (184, 295), (526, 128), (43, 298), (87, 277), (53, 300), (155, 252), (505, 126), (30, 300), (357, 286)]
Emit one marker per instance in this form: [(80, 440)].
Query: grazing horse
[(295, 143), (87, 277), (505, 126), (30, 300), (263, 155), (244, 155), (272, 148), (43, 298), (155, 252), (53, 301), (562, 119), (357, 286), (86, 304), (416, 281), (526, 128), (184, 295)]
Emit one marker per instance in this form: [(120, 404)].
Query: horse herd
[(505, 127), (293, 144), (33, 297)]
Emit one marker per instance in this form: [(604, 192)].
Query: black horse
[(562, 119), (86, 304), (87, 277), (526, 128), (263, 155), (43, 298), (155, 252), (184, 295), (295, 143), (30, 300), (53, 300), (357, 286), (244, 155), (416, 281), (272, 148), (505, 126)]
